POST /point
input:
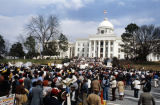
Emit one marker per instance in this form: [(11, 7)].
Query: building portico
[(104, 44)]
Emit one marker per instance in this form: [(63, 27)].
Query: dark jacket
[(52, 101)]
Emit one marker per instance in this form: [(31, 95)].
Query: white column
[(109, 44), (104, 48), (90, 50), (94, 53), (99, 42)]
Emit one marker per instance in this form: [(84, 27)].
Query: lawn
[(140, 65), (35, 61)]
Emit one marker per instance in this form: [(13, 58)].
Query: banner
[(7, 100)]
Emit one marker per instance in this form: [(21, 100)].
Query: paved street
[(130, 100)]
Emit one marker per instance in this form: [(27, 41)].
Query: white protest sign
[(66, 64), (19, 64), (82, 66), (59, 66)]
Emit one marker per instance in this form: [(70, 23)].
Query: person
[(74, 95), (113, 86), (37, 94), (94, 99), (156, 81), (105, 86), (137, 87), (120, 86), (84, 91), (21, 94), (46, 89), (27, 82), (146, 98), (53, 99), (4, 85), (15, 83), (95, 84)]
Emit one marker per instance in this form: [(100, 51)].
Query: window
[(101, 50), (78, 44), (107, 49), (111, 49), (111, 42), (119, 56), (83, 50), (106, 43), (102, 31), (106, 55), (92, 48), (101, 43), (87, 49), (111, 55), (157, 57), (119, 50), (83, 44), (78, 54), (78, 49), (82, 55)]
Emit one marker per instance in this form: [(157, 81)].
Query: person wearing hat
[(46, 89), (53, 99)]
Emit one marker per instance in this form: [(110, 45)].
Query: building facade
[(104, 44)]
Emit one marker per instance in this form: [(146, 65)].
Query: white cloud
[(11, 27), (78, 29), (121, 3), (71, 4)]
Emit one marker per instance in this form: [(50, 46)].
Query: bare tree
[(44, 29), (148, 41)]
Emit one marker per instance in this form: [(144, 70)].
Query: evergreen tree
[(2, 46), (17, 50), (129, 40), (63, 43), (30, 44)]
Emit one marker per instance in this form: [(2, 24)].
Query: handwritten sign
[(7, 100)]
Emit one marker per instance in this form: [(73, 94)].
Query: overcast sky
[(78, 18)]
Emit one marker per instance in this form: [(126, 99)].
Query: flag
[(105, 11)]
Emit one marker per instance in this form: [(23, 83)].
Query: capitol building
[(103, 44)]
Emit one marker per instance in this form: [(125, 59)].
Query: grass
[(35, 61), (140, 65)]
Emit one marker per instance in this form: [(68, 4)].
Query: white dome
[(106, 23)]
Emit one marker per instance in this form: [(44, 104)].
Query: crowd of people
[(72, 85)]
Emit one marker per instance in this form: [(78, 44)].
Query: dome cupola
[(105, 27)]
